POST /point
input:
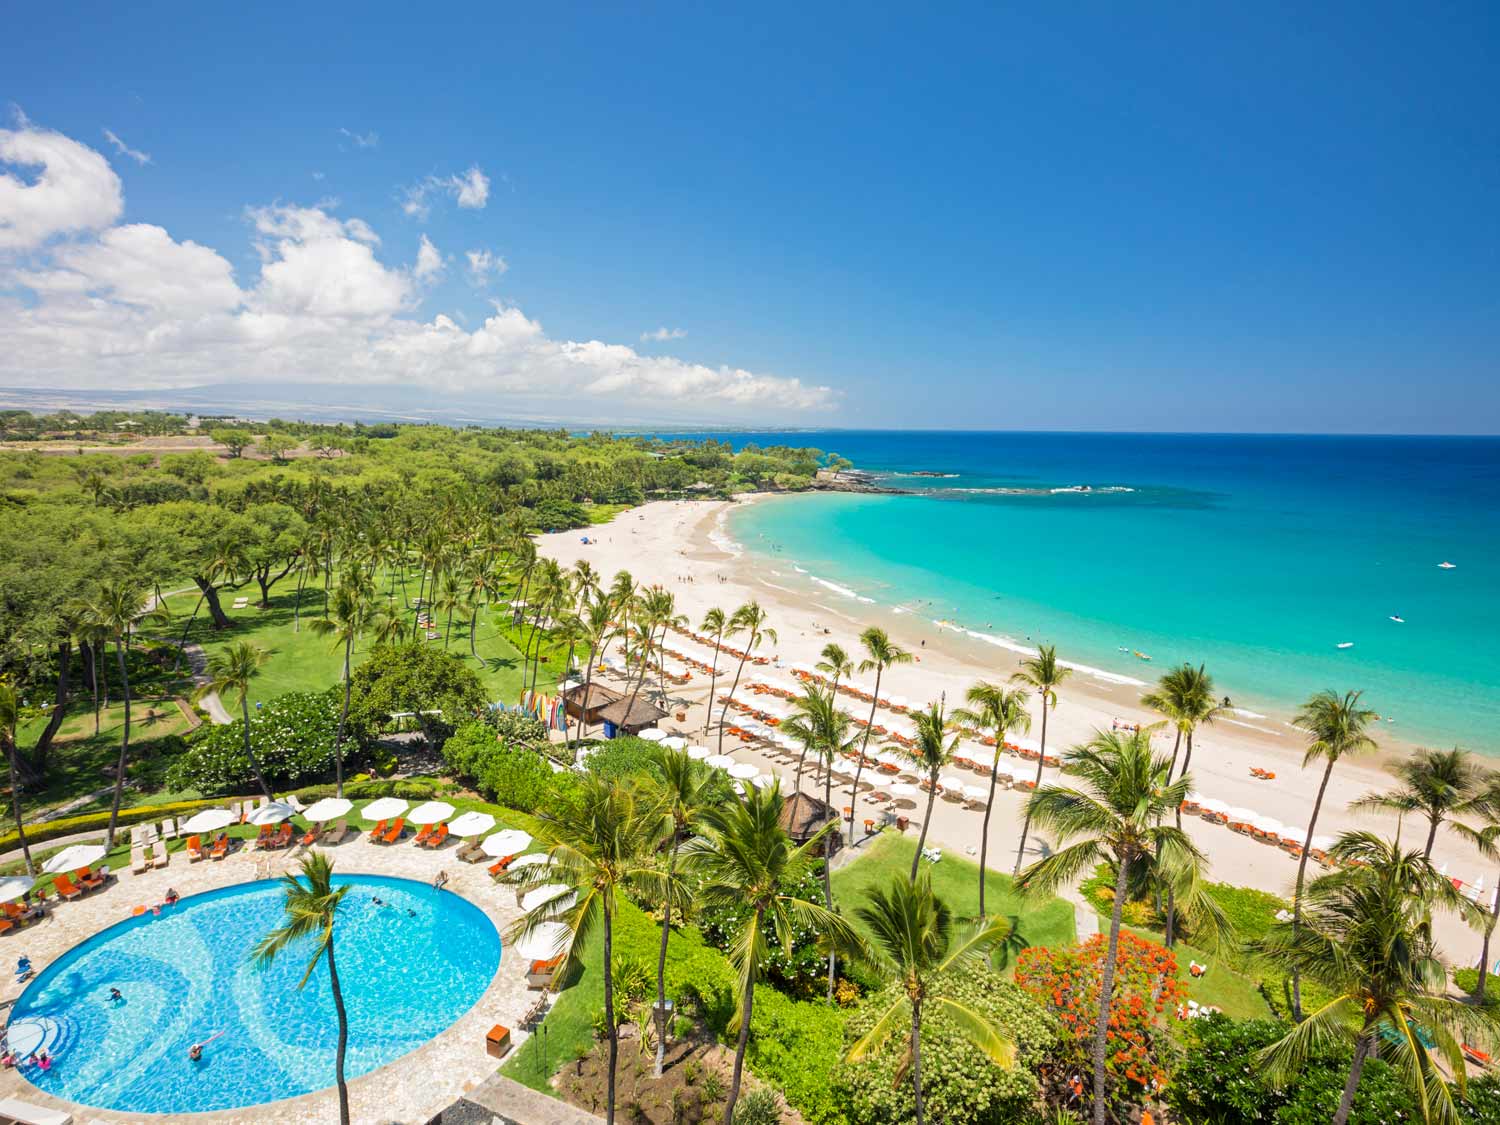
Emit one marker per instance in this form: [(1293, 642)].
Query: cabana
[(584, 702), (640, 716), (803, 816)]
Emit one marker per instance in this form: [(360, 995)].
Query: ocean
[(1280, 562)]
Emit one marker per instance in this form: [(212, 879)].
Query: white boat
[(1346, 644), (1447, 565), (1398, 619)]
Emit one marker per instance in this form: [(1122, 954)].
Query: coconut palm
[(1120, 812), (1435, 783), (348, 616), (599, 844), (598, 630), (310, 907), (1486, 839), (660, 614), (680, 797), (713, 625), (1186, 698), (748, 621), (912, 945), (1337, 726), (10, 719), (1001, 712), (231, 670), (931, 752), (744, 858), (1042, 674), (834, 662), (880, 653), (1366, 937)]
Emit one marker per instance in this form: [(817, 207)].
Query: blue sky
[(1180, 217)]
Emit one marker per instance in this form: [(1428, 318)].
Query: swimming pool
[(409, 967)]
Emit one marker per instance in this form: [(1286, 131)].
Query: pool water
[(408, 969)]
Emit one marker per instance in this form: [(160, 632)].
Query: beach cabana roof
[(640, 715), (803, 814)]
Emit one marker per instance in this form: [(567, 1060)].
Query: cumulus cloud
[(123, 149), (663, 334), (130, 307), (483, 264), (71, 188), (471, 190), (362, 140)]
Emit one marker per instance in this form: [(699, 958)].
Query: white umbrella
[(430, 813), (742, 771), (720, 761), (902, 789), (896, 701), (1267, 825), (75, 856), (1242, 815), (531, 860), (764, 781), (508, 842), (534, 898), (14, 887), (209, 820), (674, 742), (698, 753), (652, 734), (544, 942), (845, 767), (975, 792), (1213, 804), (274, 813), (948, 781), (329, 808), (470, 824), (1001, 771), (385, 808)]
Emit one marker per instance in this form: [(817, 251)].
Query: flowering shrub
[(292, 737), (1066, 981), (803, 973), (510, 774)]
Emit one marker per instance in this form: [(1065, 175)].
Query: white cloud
[(471, 190), (76, 189), (663, 334), (362, 140), (482, 264), (123, 149), (429, 262), (318, 176), (129, 307)]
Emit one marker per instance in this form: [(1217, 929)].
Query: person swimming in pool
[(195, 1052), (116, 996)]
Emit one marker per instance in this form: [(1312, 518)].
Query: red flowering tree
[(1066, 981)]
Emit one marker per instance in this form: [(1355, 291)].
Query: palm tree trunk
[(1484, 951), (734, 687), (588, 687), (916, 1056), (343, 1044), (297, 600), (984, 833), (1346, 1103), (1041, 761), (1301, 877), (1176, 745), (744, 1038), (713, 682), (1432, 829), (249, 753), (338, 738), (15, 805), (94, 670), (473, 625), (114, 810), (932, 788), (828, 878), (661, 965), (863, 746), (609, 1013), (1106, 987)]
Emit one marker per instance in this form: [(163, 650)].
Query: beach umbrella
[(508, 842), (534, 898), (274, 813), (675, 742), (544, 942), (742, 771), (471, 824), (532, 860), (1027, 744), (720, 761), (698, 753), (209, 820), (430, 813), (845, 767), (14, 886), (739, 790), (764, 781), (652, 734), (948, 781), (73, 857), (329, 808), (975, 792), (384, 808)]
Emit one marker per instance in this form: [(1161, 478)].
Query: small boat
[(1141, 655), (1445, 565), (1346, 644), (1398, 619)]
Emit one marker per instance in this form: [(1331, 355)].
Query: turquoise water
[(408, 970), (1257, 555)]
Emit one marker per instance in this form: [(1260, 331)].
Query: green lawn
[(956, 881)]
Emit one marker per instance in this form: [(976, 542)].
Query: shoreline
[(685, 547)]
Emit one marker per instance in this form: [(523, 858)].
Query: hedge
[(66, 826)]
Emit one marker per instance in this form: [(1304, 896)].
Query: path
[(198, 662)]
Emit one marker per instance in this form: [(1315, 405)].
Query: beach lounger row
[(143, 859), (388, 831)]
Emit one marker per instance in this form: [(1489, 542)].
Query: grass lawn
[(956, 881)]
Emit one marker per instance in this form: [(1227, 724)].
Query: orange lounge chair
[(310, 837), (497, 869), (427, 830), (379, 830), (1477, 1057), (65, 887), (91, 880), (194, 849), (398, 826), (6, 925), (220, 848), (436, 839)]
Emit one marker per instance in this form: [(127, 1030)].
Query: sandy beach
[(683, 547)]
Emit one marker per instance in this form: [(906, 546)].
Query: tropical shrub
[(292, 737), (410, 679), (758, 1107), (1138, 1049), (804, 971), (512, 775), (1467, 980), (622, 759), (516, 728), (958, 1082), (793, 1044)]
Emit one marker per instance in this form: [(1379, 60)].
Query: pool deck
[(412, 1089)]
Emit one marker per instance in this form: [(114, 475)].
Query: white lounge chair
[(169, 829), (24, 1113), (159, 855), (138, 864)]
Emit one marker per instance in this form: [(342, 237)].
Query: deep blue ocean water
[(1258, 555)]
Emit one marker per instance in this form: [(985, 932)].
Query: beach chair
[(138, 864), (540, 974), (398, 826), (15, 917), (427, 830), (285, 836), (497, 868), (379, 830), (436, 839), (294, 801), (470, 852), (1479, 1058), (310, 837), (336, 834), (220, 848), (194, 849), (169, 829), (91, 880), (137, 833), (65, 887), (159, 855)]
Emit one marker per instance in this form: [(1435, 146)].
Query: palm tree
[(931, 753), (713, 624), (1366, 937), (1337, 725), (232, 670), (1120, 813), (912, 937), (598, 630), (835, 662), (1042, 674), (599, 844), (1002, 712), (1487, 841), (1435, 783), (310, 906), (749, 620), (880, 653), (1185, 698), (348, 616), (682, 794), (745, 858), (10, 719), (659, 613)]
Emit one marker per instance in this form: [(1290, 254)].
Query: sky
[(1199, 217)]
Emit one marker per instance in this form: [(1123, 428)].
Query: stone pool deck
[(413, 1089)]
